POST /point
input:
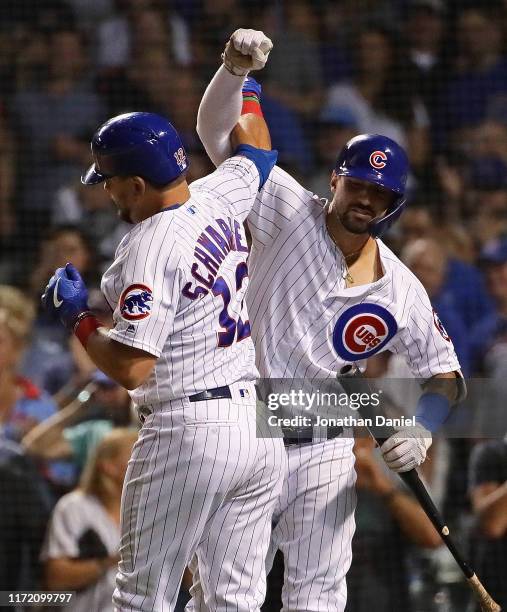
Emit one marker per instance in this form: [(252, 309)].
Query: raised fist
[(246, 50)]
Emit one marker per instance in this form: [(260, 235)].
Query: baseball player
[(199, 480), (325, 291)]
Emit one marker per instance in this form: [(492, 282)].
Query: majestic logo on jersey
[(181, 158), (135, 302), (378, 160), (440, 326), (363, 330)]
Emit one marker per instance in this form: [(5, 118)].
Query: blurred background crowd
[(431, 74)]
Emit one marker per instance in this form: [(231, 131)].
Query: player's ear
[(334, 180), (139, 186)]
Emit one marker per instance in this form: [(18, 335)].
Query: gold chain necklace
[(346, 272)]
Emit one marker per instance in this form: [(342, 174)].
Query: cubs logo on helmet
[(363, 330), (440, 326), (136, 302), (378, 159)]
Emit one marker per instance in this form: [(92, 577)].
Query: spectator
[(336, 127), (428, 261), (22, 404), (138, 24), (489, 336), (24, 512), (83, 539), (76, 429), (488, 341), (488, 492), (416, 222), (486, 199), (217, 20), (480, 72), (48, 360), (379, 107), (424, 31), (456, 286), (296, 84), (59, 117), (490, 139), (90, 210), (152, 83), (388, 521), (333, 50), (66, 243), (157, 86)]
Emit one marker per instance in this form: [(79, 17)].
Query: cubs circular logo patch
[(135, 302), (378, 159), (440, 326), (362, 330)]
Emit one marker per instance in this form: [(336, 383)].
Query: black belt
[(305, 435), (211, 394)]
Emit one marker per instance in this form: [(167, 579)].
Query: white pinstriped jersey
[(305, 322), (177, 286)]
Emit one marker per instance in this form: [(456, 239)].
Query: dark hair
[(66, 228)]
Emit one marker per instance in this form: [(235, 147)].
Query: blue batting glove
[(251, 86), (66, 295)]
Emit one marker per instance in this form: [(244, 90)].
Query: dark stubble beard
[(352, 225)]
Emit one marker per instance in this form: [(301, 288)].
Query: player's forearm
[(412, 520), (251, 129), (218, 114), (434, 407), (446, 384), (492, 511), (42, 439), (73, 573), (128, 366)]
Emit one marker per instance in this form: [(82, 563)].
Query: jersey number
[(238, 330)]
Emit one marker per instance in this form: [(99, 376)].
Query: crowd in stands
[(431, 74)]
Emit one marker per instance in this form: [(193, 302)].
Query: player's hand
[(66, 295), (407, 448), (246, 50)]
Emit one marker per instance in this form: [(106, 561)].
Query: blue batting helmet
[(137, 144), (377, 159)]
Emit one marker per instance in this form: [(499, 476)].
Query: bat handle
[(487, 603)]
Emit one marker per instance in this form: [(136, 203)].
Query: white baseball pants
[(199, 482)]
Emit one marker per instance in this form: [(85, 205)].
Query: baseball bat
[(414, 483)]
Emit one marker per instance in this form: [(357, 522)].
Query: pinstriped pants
[(200, 482), (313, 525)]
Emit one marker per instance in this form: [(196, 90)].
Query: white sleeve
[(276, 204), (219, 111), (151, 289), (234, 183), (423, 341), (62, 533)]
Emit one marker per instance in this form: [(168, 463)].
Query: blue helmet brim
[(92, 177), (370, 177)]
